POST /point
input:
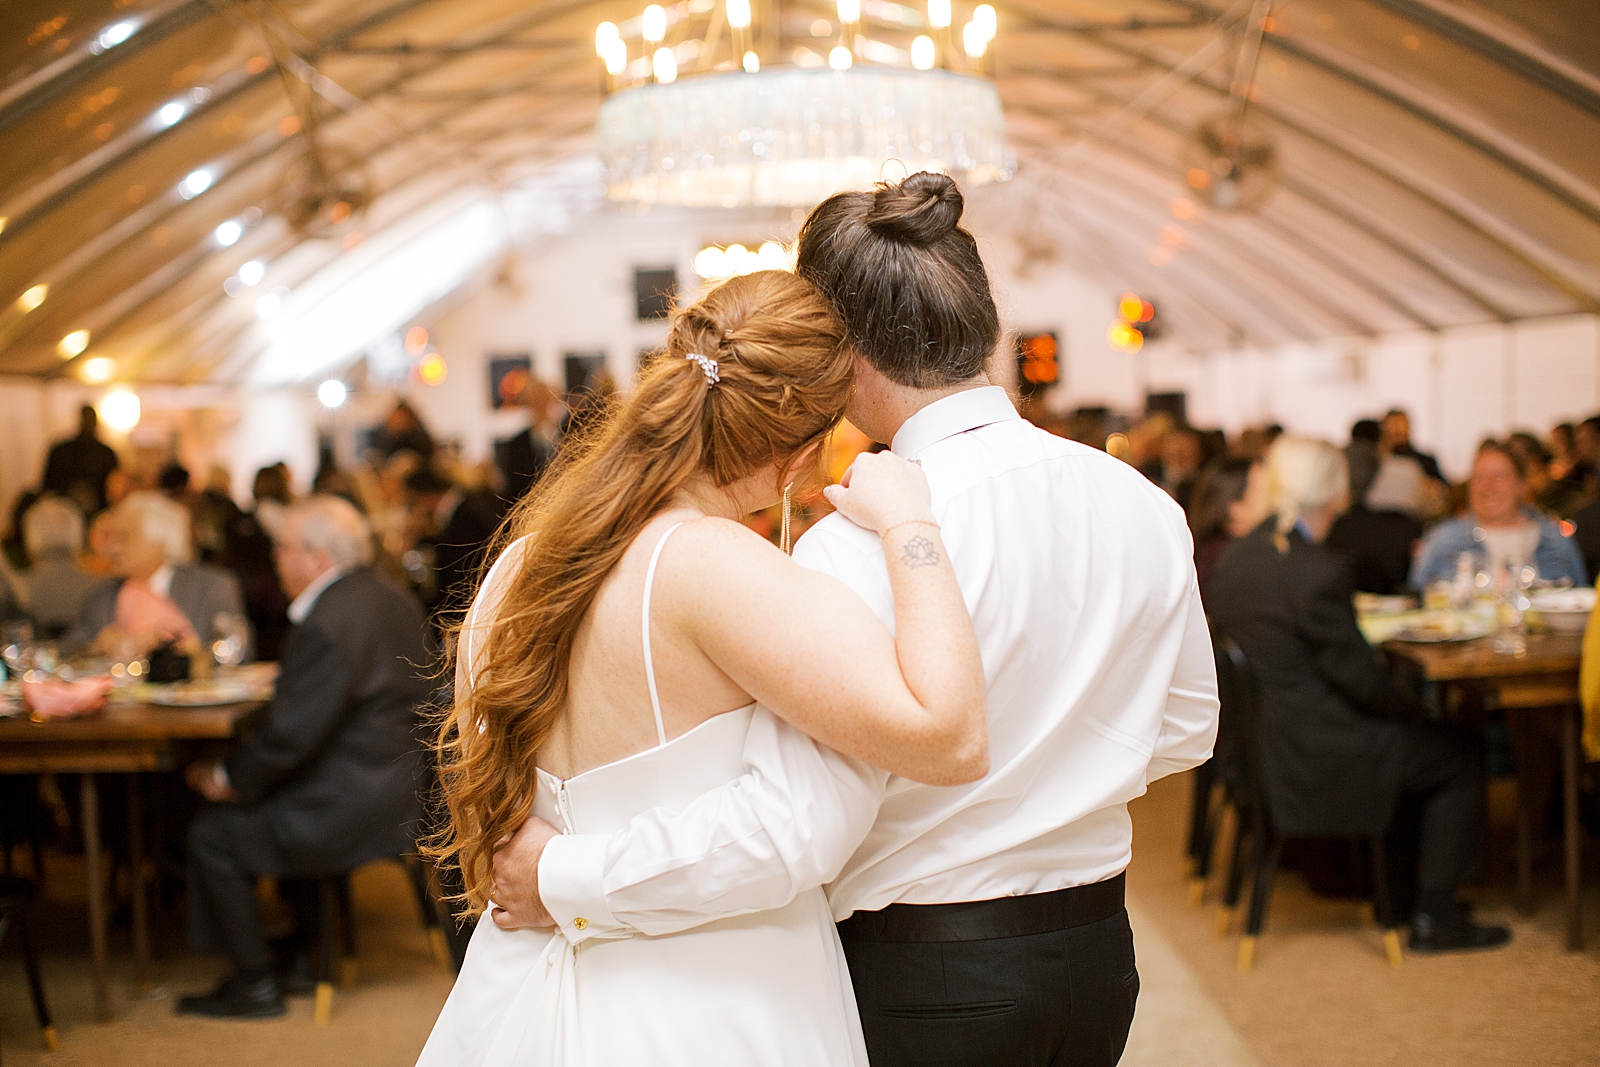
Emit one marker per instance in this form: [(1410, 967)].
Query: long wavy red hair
[(785, 375)]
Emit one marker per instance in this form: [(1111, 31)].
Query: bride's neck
[(723, 502)]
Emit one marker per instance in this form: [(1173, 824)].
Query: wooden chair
[(336, 932), (16, 900), (1258, 844)]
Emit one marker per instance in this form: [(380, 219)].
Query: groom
[(984, 924)]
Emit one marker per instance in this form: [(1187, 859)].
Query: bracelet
[(909, 522)]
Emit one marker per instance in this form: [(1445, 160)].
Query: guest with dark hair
[(403, 431), (1395, 440), (1182, 452), (524, 458), (1229, 501), (328, 780), (458, 525)]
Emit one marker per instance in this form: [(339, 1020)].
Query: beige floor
[(1320, 996)]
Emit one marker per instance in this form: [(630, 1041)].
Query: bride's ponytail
[(752, 374)]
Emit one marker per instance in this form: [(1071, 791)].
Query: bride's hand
[(881, 490)]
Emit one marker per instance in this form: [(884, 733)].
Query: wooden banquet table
[(124, 738), (1542, 681)]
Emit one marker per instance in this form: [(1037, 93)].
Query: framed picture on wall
[(581, 369), (654, 290), (509, 376)]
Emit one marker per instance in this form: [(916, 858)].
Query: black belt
[(980, 920)]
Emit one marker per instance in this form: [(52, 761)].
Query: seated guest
[(1379, 532), (157, 594), (329, 779), (55, 583), (1339, 749), (1395, 440), (1229, 500), (1498, 531)]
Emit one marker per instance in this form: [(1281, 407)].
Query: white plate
[(196, 694), (1463, 630)]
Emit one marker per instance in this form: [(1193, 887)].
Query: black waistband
[(980, 920)]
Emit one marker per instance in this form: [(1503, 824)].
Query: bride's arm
[(811, 650)]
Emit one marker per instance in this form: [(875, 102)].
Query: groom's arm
[(787, 825)]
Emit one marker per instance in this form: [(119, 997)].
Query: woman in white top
[(628, 640)]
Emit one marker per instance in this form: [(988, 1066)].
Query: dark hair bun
[(919, 210)]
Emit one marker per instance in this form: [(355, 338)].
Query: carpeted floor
[(1321, 994)]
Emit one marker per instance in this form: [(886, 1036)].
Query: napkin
[(51, 698)]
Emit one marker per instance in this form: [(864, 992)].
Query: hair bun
[(919, 210)]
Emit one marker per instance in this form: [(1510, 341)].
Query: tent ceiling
[(1438, 158)]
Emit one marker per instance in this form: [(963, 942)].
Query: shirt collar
[(951, 415), (302, 605), (161, 581)]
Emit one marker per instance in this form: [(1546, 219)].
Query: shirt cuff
[(571, 873)]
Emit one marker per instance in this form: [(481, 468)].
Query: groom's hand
[(516, 879)]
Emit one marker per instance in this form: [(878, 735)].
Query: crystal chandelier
[(726, 117)]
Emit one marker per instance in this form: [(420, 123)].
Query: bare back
[(609, 714)]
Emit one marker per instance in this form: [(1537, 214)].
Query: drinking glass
[(230, 634), (16, 646)]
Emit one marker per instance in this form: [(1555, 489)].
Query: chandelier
[(722, 115)]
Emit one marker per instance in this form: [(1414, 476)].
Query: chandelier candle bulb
[(840, 58), (983, 16), (849, 11), (972, 40), (752, 63), (739, 14), (665, 66), (604, 34), (939, 14), (922, 52), (655, 24)]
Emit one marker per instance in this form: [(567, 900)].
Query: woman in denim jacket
[(1498, 530)]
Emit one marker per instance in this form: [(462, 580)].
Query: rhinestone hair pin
[(709, 366)]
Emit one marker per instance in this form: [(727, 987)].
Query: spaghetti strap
[(649, 664)]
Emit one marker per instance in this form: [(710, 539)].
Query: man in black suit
[(329, 779), (460, 524), (524, 458), (77, 468)]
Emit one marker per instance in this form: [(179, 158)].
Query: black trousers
[(1442, 785), (980, 985), (229, 848)]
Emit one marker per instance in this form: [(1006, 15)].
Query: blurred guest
[(588, 406), (1213, 446), (1540, 487), (1396, 441), (329, 779), (78, 468), (102, 530), (16, 545), (215, 514), (1181, 453), (55, 584), (402, 431), (1499, 530), (1251, 444), (1361, 456), (524, 458), (272, 495), (1340, 754), (158, 594), (1229, 501), (1586, 533), (1563, 450), (1145, 438), (173, 481), (459, 526), (1378, 534)]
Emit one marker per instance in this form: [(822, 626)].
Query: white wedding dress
[(769, 989)]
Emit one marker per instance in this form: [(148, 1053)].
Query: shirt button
[(579, 923)]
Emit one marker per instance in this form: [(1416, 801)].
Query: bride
[(631, 639)]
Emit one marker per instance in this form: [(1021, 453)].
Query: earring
[(783, 533)]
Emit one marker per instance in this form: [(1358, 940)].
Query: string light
[(432, 369), (119, 409), (194, 183), (32, 298), (73, 344), (171, 114), (228, 233), (98, 370)]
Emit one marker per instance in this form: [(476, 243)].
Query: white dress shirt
[(300, 607), (1079, 576)]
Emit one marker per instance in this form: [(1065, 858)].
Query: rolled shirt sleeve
[(787, 825), (1189, 726)]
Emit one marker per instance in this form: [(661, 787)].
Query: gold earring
[(783, 533)]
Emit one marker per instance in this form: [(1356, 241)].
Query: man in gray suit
[(157, 594)]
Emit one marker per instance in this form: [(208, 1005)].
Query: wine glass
[(16, 646), (230, 634)]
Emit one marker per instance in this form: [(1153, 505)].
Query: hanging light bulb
[(849, 11), (972, 40), (983, 15), (922, 53), (655, 24), (939, 14), (665, 65), (739, 14), (752, 63), (98, 371), (119, 409)]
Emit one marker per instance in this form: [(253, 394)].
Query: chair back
[(1239, 729)]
